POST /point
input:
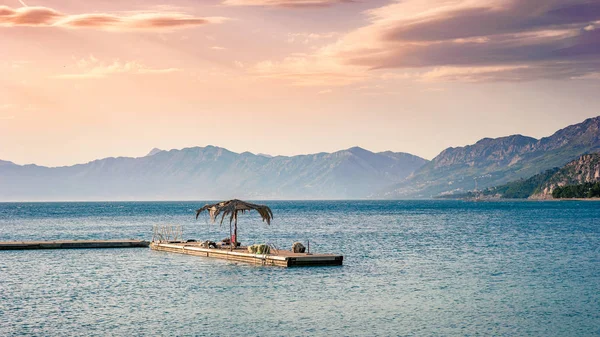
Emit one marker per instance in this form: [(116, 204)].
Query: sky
[(82, 80)]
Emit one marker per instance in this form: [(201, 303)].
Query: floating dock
[(280, 258), (72, 244)]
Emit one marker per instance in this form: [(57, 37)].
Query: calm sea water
[(411, 268)]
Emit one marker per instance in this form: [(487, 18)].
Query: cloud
[(7, 106), (396, 76), (19, 64), (218, 48), (285, 3), (433, 90), (28, 16), (48, 17), (588, 76), (326, 91), (489, 39), (92, 68), (307, 38), (469, 40), (475, 74), (307, 70)]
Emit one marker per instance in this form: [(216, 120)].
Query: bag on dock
[(263, 249), (259, 249), (208, 244), (297, 247)]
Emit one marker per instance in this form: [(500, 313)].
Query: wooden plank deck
[(72, 244), (280, 258)]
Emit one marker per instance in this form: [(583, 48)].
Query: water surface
[(410, 268)]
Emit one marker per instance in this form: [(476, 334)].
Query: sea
[(411, 268)]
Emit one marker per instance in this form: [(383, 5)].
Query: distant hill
[(493, 162), (153, 152), (265, 155), (6, 163), (584, 170), (211, 173), (518, 189)]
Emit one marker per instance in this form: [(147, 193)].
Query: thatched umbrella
[(231, 208)]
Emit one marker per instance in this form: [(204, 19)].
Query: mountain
[(6, 163), (518, 189), (211, 173), (493, 162), (584, 170), (153, 152)]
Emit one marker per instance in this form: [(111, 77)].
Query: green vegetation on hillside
[(577, 179), (495, 162), (519, 189), (587, 190), (522, 188)]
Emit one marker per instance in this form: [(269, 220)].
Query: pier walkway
[(281, 258), (72, 244)]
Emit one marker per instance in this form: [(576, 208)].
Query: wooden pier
[(72, 244), (281, 258)]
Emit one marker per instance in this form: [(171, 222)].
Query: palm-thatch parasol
[(231, 208)]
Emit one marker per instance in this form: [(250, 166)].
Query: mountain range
[(216, 173), (493, 162), (583, 170), (211, 173)]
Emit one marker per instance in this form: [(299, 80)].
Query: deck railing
[(167, 233)]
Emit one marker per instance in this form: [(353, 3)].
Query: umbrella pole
[(235, 232), (230, 238)]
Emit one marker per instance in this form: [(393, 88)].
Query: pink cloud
[(307, 70), (28, 16), (90, 21), (48, 17), (482, 40), (467, 40), (92, 68), (285, 3)]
